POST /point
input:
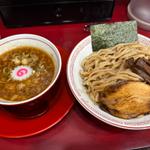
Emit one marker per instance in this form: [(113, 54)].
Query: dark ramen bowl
[(30, 40)]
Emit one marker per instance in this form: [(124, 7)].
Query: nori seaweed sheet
[(108, 35)]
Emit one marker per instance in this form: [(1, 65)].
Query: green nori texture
[(108, 35)]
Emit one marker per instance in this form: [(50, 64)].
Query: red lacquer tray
[(61, 103)]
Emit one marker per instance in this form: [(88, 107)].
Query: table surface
[(78, 130)]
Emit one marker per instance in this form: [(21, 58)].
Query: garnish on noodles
[(109, 35), (118, 79)]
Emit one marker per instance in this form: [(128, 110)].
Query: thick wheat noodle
[(107, 66)]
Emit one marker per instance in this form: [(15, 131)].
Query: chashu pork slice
[(129, 100)]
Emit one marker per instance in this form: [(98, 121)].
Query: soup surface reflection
[(24, 73)]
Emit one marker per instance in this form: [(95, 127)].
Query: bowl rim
[(48, 43), (140, 21)]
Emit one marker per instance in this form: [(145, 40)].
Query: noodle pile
[(106, 67)]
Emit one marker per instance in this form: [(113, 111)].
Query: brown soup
[(24, 73)]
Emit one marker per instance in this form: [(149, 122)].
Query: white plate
[(83, 49)]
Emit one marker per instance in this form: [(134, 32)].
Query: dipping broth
[(24, 73)]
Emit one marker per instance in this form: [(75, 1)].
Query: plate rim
[(39, 131), (101, 118)]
